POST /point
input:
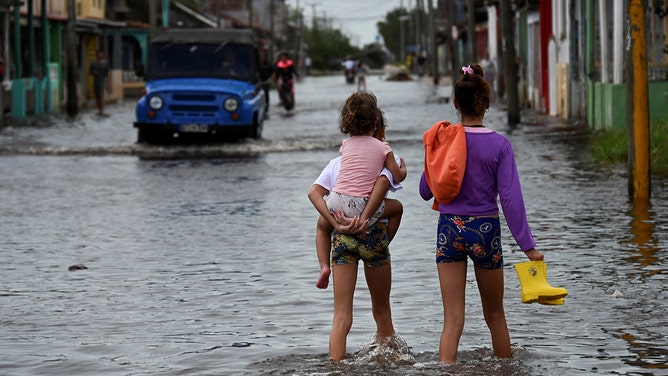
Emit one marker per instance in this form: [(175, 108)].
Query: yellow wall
[(83, 8), (562, 90), (90, 8)]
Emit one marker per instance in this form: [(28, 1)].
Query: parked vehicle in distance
[(201, 85)]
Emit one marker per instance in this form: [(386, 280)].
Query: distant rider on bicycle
[(285, 71)]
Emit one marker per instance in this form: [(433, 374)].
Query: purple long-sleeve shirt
[(490, 172)]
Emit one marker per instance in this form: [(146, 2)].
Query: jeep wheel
[(142, 136), (149, 136)]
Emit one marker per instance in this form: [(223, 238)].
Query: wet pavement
[(201, 260)]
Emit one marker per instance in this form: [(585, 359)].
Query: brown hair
[(472, 92), (360, 114)]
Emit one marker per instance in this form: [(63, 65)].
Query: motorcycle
[(286, 94), (350, 75)]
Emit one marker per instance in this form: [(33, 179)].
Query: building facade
[(36, 41)]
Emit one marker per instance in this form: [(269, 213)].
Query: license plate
[(194, 128)]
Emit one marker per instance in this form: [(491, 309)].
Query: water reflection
[(644, 341), (642, 229)]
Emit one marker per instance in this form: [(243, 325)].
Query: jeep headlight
[(155, 102), (231, 104)]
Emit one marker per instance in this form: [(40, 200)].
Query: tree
[(390, 29), (375, 55), (327, 47)]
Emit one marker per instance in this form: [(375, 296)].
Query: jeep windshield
[(169, 59)]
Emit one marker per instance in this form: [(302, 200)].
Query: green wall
[(607, 104)]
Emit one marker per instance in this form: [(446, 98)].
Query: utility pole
[(402, 38), (152, 18), (432, 41), (452, 40), (638, 105), (470, 31), (250, 14), (272, 34), (72, 107), (509, 63), (419, 28), (216, 7)]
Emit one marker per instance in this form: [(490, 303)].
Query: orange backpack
[(444, 160)]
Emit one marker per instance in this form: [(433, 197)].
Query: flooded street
[(201, 260)]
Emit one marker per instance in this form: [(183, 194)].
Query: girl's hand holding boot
[(534, 255)]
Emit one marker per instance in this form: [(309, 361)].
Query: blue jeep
[(201, 85)]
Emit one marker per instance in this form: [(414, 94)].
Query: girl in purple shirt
[(469, 225)]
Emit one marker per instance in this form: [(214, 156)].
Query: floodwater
[(201, 260)]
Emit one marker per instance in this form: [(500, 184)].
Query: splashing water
[(392, 351)]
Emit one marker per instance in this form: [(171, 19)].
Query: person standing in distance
[(99, 69), (362, 71), (469, 226)]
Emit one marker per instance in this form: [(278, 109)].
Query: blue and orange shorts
[(372, 247), (477, 238)]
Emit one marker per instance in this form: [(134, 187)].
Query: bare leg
[(345, 278), (452, 278), (393, 208), (323, 244), (490, 285), (393, 212), (100, 105), (376, 198), (379, 281)]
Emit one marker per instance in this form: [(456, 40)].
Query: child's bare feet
[(323, 280)]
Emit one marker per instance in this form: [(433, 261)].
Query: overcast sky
[(356, 18)]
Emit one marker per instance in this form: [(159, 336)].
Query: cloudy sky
[(356, 18)]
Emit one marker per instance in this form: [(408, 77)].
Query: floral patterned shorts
[(478, 238), (372, 247)]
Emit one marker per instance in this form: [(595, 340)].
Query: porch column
[(618, 42), (603, 24)]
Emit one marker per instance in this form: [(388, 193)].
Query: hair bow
[(467, 69)]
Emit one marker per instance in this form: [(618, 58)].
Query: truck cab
[(201, 85)]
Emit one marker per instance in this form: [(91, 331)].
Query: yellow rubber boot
[(544, 301), (534, 286)]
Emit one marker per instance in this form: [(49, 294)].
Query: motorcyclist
[(349, 69), (285, 71)]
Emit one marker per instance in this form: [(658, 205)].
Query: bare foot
[(323, 280)]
